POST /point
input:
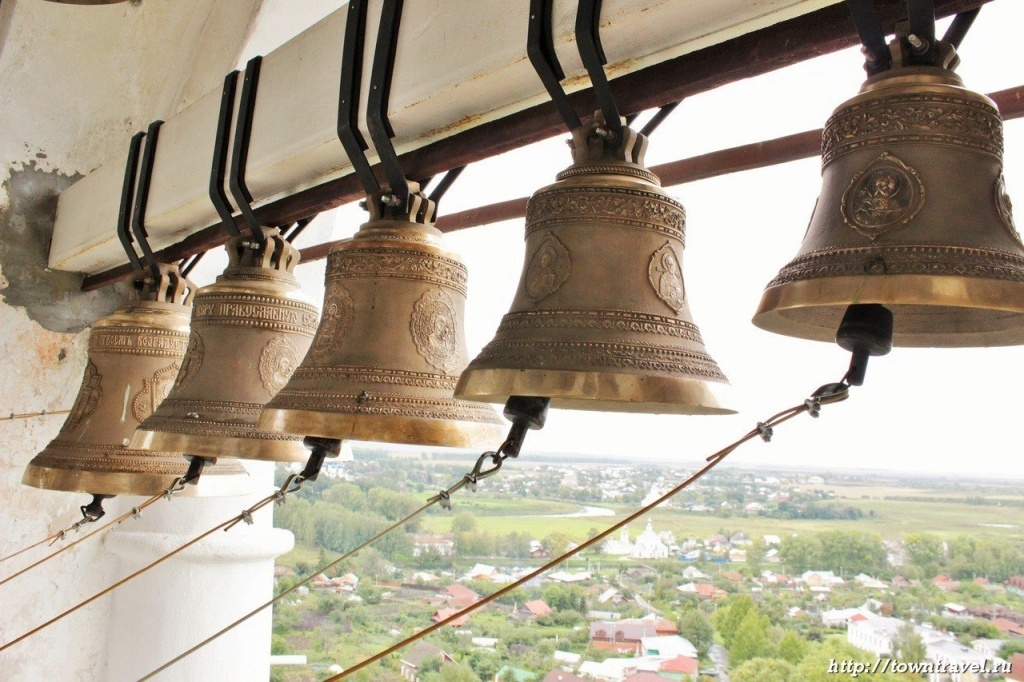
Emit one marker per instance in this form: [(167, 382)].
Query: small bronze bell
[(249, 330), (390, 344), (600, 320), (913, 215), (134, 356)]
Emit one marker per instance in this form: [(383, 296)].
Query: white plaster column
[(189, 597)]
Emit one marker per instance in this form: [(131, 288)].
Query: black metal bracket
[(124, 215), (138, 221), (957, 30), (377, 121), (240, 151), (445, 183), (588, 41), (658, 118), (921, 16), (540, 47), (872, 36), (220, 155), (348, 97)]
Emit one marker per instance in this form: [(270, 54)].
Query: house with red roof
[(532, 610), (458, 596), (1009, 627), (679, 668), (443, 614), (1016, 669)]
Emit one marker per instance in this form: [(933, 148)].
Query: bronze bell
[(390, 344), (250, 329), (913, 215), (600, 320), (134, 356)]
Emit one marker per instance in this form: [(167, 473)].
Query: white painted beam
[(458, 65)]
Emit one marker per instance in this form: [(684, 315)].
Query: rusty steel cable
[(29, 415), (444, 498), (826, 394), (133, 512), (293, 484)]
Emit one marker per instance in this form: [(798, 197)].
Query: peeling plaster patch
[(52, 298)]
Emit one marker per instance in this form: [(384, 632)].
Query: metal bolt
[(604, 133), (918, 43), (192, 415)]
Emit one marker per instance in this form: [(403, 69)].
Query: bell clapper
[(93, 511), (525, 413), (866, 330)]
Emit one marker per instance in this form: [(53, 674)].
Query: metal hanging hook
[(588, 41), (348, 97), (240, 151), (220, 155), (872, 36), (138, 221), (131, 169), (377, 120), (540, 47)]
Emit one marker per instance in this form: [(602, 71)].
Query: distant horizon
[(557, 456)]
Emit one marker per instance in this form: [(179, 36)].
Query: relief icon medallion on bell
[(600, 320)]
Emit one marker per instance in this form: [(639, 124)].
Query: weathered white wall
[(75, 82)]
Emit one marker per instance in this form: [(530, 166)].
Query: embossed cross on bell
[(913, 215), (134, 356), (600, 320)]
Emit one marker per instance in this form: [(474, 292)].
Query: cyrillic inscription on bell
[(250, 330), (390, 344), (600, 320), (913, 215), (134, 355)]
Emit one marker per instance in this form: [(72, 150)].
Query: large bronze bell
[(134, 357), (250, 329), (600, 320), (913, 215), (390, 344)]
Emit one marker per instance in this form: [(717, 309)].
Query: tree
[(799, 553), (763, 670), (792, 647), (907, 645), (728, 619), (924, 550), (464, 522), (815, 665), (697, 628), (751, 639), (452, 672)]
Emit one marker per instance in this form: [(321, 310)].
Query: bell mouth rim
[(954, 292), (425, 431), (599, 391), (128, 483), (231, 447)]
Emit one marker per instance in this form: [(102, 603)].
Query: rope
[(29, 415), (828, 393), (291, 589), (480, 471), (245, 515), (57, 536)]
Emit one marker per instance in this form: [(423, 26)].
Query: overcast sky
[(954, 410)]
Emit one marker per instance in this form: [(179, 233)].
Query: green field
[(891, 520)]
